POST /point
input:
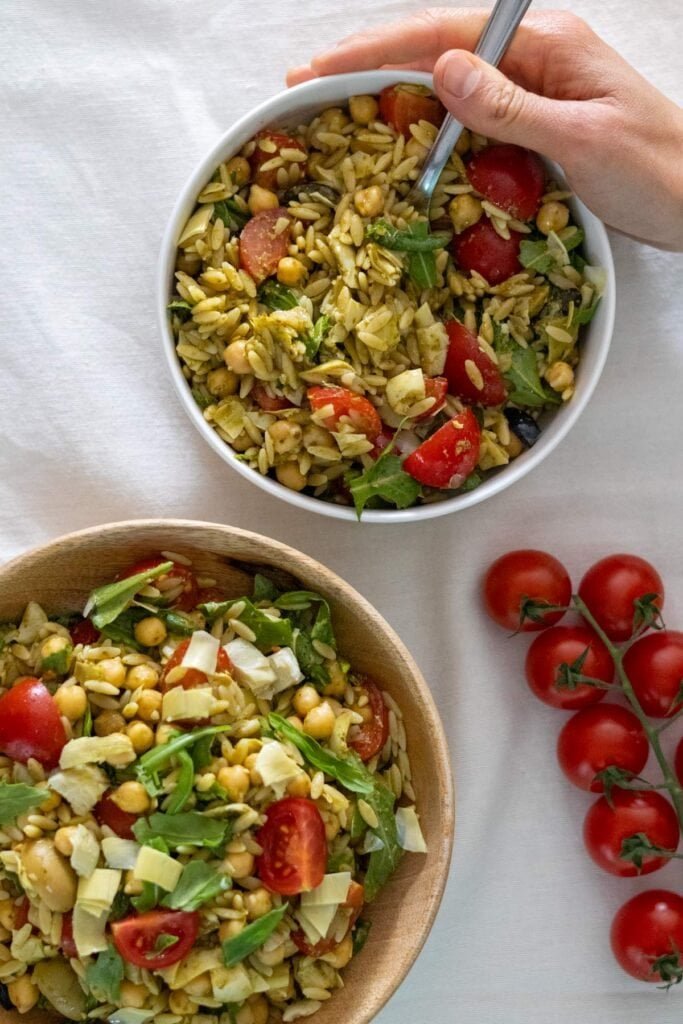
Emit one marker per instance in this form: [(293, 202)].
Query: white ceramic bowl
[(293, 107)]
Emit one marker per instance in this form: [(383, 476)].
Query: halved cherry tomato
[(109, 813), (400, 107), (612, 585), (510, 177), (448, 457), (136, 937), (268, 402), (294, 847), (648, 929), (359, 411), (599, 737), (30, 723), (84, 632), (192, 676), (354, 902), (187, 600), (629, 813), (268, 146), (21, 913), (67, 939), (482, 249), (654, 664), (437, 388), (464, 347), (521, 576), (369, 738), (565, 645), (261, 248)]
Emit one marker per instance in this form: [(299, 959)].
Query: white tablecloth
[(107, 107)]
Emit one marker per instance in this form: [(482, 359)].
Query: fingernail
[(460, 77)]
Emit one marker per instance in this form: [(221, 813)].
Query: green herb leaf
[(385, 479), (302, 600), (313, 340), (277, 296), (535, 256), (183, 790), (106, 603), (383, 862), (422, 265), (104, 976), (163, 941), (584, 316), (382, 232), (342, 860), (349, 771), (264, 589), (269, 632), (177, 622), (202, 397), (252, 937), (360, 935), (57, 662), (198, 884), (232, 215), (527, 387), (150, 764), (122, 629), (188, 828), (16, 799), (310, 662), (87, 721), (181, 309)]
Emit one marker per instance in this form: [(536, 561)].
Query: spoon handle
[(493, 42)]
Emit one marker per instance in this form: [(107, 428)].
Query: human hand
[(560, 90)]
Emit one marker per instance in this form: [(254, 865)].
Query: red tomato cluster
[(632, 829)]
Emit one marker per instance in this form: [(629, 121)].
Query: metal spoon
[(494, 41)]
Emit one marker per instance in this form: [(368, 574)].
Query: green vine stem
[(652, 732)]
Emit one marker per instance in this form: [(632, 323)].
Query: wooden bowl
[(59, 576)]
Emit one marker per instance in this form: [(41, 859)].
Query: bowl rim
[(321, 90), (442, 843)]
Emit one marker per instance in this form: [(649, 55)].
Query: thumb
[(482, 98)]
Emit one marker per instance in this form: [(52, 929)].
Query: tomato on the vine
[(599, 737), (630, 813), (137, 938), (647, 936), (526, 579), (582, 652), (654, 665), (611, 588), (294, 847)]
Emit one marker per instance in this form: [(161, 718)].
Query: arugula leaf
[(382, 232), (104, 976), (106, 603), (535, 256), (181, 309), (163, 941), (151, 893), (360, 935), (183, 790), (349, 771), (315, 338), (422, 265), (252, 937), (232, 215), (342, 860), (276, 296), (527, 387), (16, 799), (87, 721), (201, 753), (302, 600), (120, 907), (264, 589), (310, 662), (187, 828), (198, 884), (202, 398), (584, 316), (150, 764), (269, 632), (383, 862), (57, 662), (385, 479), (472, 481), (122, 629)]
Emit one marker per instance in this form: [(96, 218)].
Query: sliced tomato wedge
[(400, 107), (268, 402), (510, 177), (482, 249), (268, 146), (360, 412), (261, 246), (187, 600), (354, 901), (369, 738), (30, 723), (67, 939), (84, 632), (137, 938), (107, 812), (294, 847), (435, 387), (447, 458), (464, 348), (192, 676)]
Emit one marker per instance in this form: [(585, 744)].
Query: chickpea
[(235, 357), (289, 475), (464, 211), (261, 199), (319, 722), (290, 270), (363, 109), (141, 736), (337, 683), (131, 797), (181, 1004), (333, 119), (71, 701), (239, 170), (113, 670), (222, 382), (149, 707), (250, 765), (239, 865), (257, 903), (244, 748), (242, 442), (315, 436), (54, 644), (305, 699), (514, 447), (341, 954), (50, 803), (23, 993), (7, 915), (229, 929), (108, 723), (163, 734), (51, 875), (559, 375), (63, 840), (296, 722), (369, 201), (286, 436), (300, 786), (150, 631), (552, 217), (145, 676), (133, 995), (235, 780), (254, 1011)]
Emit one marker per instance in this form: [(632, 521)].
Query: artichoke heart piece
[(287, 327)]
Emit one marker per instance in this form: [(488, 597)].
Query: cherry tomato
[(521, 576), (261, 156), (268, 402), (180, 574), (564, 645), (21, 913), (136, 937), (464, 347), (610, 588), (510, 177), (401, 107), (84, 632), (192, 676), (598, 737), (678, 762), (261, 248), (628, 813), (294, 847), (353, 902), (30, 723), (647, 928), (362, 414), (109, 813), (448, 457), (369, 738), (67, 940), (482, 249), (435, 387), (654, 664)]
